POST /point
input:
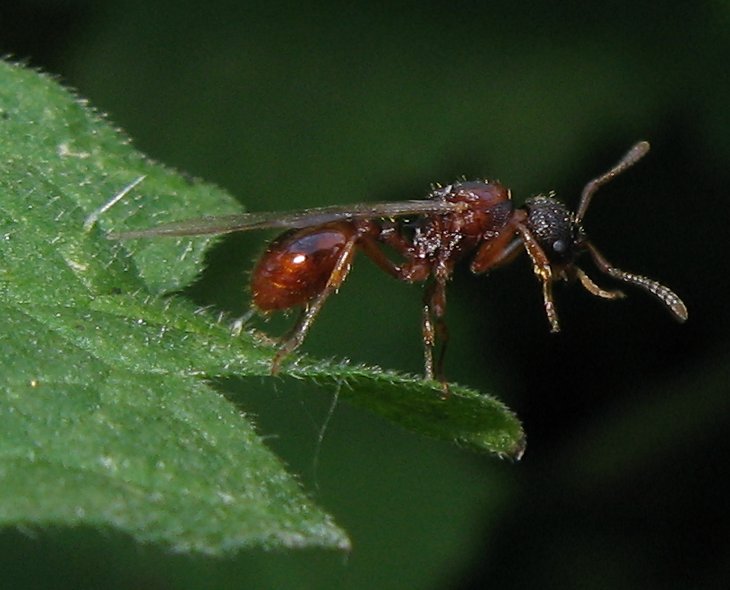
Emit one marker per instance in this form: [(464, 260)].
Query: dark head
[(554, 238), (554, 228)]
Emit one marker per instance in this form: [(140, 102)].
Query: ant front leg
[(500, 249), (543, 271)]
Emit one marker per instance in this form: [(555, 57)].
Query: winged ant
[(477, 219)]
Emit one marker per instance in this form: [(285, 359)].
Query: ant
[(311, 259)]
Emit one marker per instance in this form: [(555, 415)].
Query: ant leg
[(442, 334), (501, 249), (429, 339), (390, 234), (434, 300), (434, 329), (544, 272), (594, 289), (370, 248), (299, 332), (412, 271)]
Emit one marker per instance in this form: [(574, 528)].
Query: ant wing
[(226, 224)]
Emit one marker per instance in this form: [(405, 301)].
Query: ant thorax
[(450, 236)]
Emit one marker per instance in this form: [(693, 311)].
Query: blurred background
[(624, 483)]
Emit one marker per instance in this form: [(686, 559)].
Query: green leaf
[(106, 417)]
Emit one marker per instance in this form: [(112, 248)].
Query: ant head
[(555, 229), (559, 234)]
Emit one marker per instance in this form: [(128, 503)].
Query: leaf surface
[(107, 414)]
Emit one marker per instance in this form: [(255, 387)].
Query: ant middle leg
[(434, 330), (428, 333), (413, 270)]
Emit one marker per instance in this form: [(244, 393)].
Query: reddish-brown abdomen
[(297, 265)]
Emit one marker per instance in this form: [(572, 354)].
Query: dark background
[(290, 105)]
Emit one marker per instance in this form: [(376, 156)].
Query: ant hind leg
[(313, 307)]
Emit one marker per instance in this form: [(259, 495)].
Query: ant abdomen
[(297, 266)]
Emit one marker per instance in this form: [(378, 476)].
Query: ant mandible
[(311, 259)]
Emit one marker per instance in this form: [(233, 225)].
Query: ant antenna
[(664, 294), (632, 156)]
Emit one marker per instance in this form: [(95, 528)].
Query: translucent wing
[(226, 224)]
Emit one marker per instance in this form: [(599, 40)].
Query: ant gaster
[(310, 261)]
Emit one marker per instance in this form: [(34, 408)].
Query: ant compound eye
[(560, 247)]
